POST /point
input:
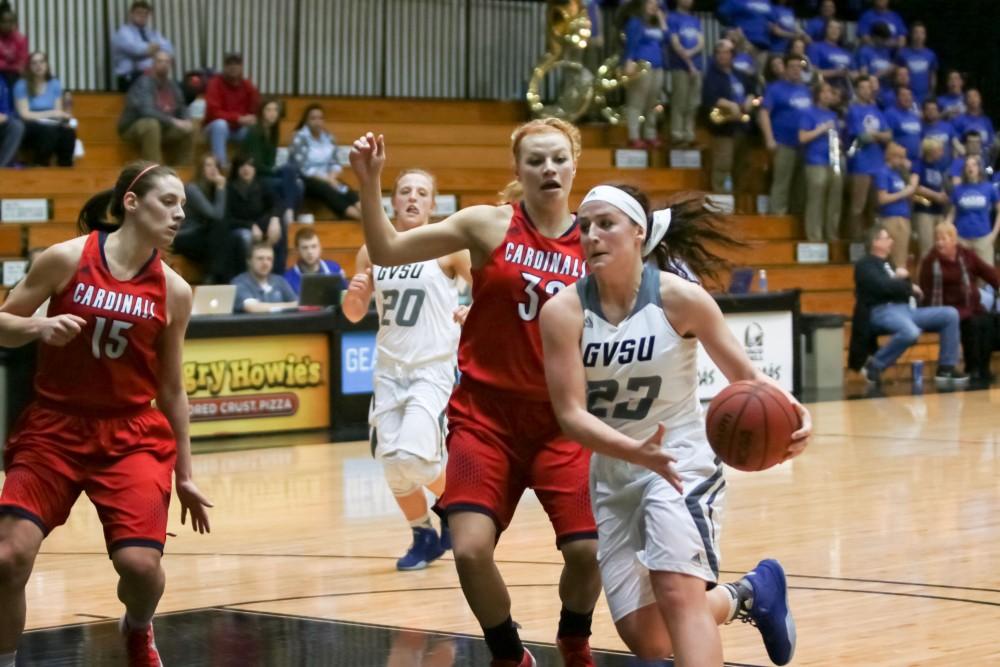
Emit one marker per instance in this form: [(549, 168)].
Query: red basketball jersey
[(112, 365), (501, 344)]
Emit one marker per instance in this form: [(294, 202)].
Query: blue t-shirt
[(981, 124), (744, 64), (933, 176), (784, 18), (865, 119), (816, 29), (44, 102), (876, 59), (889, 17), (688, 30), (828, 56), (922, 63), (818, 150), (644, 42), (293, 276), (907, 130), (785, 100), (951, 104), (752, 17), (942, 131), (277, 290), (973, 204), (889, 180)]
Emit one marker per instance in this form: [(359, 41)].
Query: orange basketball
[(750, 425)]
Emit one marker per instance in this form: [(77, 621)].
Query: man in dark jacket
[(727, 90), (882, 305), (155, 117)]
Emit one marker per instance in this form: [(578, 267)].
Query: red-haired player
[(502, 433), (111, 342)]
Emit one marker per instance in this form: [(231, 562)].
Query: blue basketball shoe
[(769, 611), (425, 549)]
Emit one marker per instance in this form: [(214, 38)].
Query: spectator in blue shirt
[(972, 144), (310, 260), (938, 129), (831, 60), (816, 26), (687, 63), (931, 199), (782, 26), (921, 62), (784, 101), (973, 200), (974, 120), (875, 58), (952, 103), (135, 44), (824, 171), (645, 39), (896, 184), (257, 289), (48, 129), (11, 127), (867, 133), (907, 130), (752, 18), (743, 60), (887, 92), (729, 90), (881, 13)]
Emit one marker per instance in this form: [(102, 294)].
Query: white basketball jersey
[(641, 372), (415, 303)]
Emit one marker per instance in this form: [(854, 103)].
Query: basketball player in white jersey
[(419, 326), (621, 366)]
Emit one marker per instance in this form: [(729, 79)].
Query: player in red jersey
[(502, 433), (111, 342)]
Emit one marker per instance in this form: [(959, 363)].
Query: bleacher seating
[(466, 145)]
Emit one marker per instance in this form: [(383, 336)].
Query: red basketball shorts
[(124, 465), (498, 446)]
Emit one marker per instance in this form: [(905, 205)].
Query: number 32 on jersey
[(534, 286)]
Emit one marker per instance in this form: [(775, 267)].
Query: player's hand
[(368, 157), (652, 455), (800, 438), (194, 502), (61, 329), (361, 282), (460, 314)]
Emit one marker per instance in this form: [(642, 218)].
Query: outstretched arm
[(359, 292), (386, 246)]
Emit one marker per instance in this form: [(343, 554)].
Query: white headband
[(630, 206)]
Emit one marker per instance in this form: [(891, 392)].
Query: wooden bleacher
[(466, 145)]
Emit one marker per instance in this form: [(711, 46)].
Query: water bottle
[(762, 281), (918, 376)]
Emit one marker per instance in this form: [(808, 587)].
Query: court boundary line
[(191, 554)]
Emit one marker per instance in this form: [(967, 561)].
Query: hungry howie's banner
[(257, 384)]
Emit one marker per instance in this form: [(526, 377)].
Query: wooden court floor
[(889, 529)]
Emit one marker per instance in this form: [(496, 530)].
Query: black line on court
[(528, 562)]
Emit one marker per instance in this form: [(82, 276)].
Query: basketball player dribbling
[(419, 325), (111, 342), (502, 433), (621, 364)]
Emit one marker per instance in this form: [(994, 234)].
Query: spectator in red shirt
[(13, 45), (949, 276), (231, 103)]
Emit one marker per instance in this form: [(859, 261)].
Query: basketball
[(750, 424)]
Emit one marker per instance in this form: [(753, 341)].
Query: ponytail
[(697, 229), (105, 211)]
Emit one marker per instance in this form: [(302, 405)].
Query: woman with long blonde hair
[(503, 437)]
